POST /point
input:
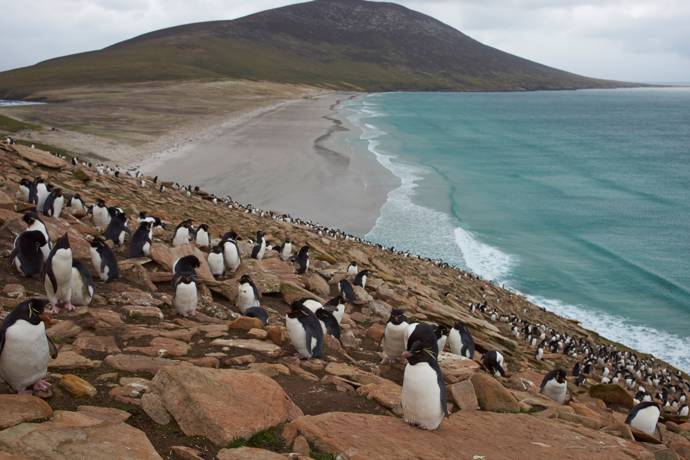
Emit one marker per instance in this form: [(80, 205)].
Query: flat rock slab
[(223, 404), (40, 157), (75, 435), (139, 363), (16, 409), (259, 346), (464, 435), (166, 256), (72, 360), (249, 453)]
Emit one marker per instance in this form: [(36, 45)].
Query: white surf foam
[(11, 103)]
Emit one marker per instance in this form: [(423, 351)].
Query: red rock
[(245, 323), (186, 453), (492, 396), (16, 409), (136, 311), (97, 343), (153, 406), (77, 386), (223, 404), (301, 446), (166, 256), (463, 395), (248, 453), (240, 360), (463, 435), (161, 346), (613, 395), (375, 332), (456, 368), (40, 157), (107, 414), (386, 393), (64, 329), (138, 363), (67, 360), (276, 334)]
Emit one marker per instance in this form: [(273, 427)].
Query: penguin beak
[(45, 317), (406, 354)]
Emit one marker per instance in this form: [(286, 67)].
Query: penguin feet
[(55, 310), (69, 306), (41, 386)]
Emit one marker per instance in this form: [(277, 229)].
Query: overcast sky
[(634, 40)]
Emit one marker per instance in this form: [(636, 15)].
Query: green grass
[(268, 439), (319, 456), (12, 125)]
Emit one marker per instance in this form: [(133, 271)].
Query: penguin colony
[(418, 346)]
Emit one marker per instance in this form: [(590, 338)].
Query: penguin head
[(297, 308), (100, 203), (304, 251), (397, 317), (25, 182), (57, 192), (460, 326), (39, 180), (62, 242), (32, 311), (29, 218), (420, 352), (145, 225), (218, 249), (142, 215), (189, 262), (204, 227), (440, 330), (186, 278), (245, 279), (560, 376), (231, 235), (37, 237)]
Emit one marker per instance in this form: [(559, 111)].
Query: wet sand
[(290, 158)]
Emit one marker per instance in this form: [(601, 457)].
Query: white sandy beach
[(288, 157)]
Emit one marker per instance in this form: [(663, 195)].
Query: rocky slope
[(134, 380)]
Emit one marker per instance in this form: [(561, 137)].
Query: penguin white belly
[(262, 251), (339, 312), (186, 299), (101, 218), (556, 391), (645, 420), (246, 298), (683, 411), (96, 262), (42, 196), (408, 332), (442, 343), (455, 341), (286, 253), (81, 293), (181, 237), (146, 249), (62, 269), (24, 358), (421, 396), (57, 207), (298, 336), (232, 257), (216, 263), (202, 239), (394, 339)]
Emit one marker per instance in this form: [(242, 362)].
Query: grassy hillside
[(343, 44)]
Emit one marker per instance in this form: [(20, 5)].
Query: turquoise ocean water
[(579, 200)]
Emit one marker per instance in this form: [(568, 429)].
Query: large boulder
[(77, 435), (40, 157), (463, 435), (290, 292), (17, 409), (613, 395), (492, 396), (223, 404), (166, 256)]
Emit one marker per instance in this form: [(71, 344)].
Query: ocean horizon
[(579, 200)]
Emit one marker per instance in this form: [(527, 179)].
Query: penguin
[(248, 295), (216, 261), (34, 223), (304, 330), (257, 312), (116, 229), (54, 203), (576, 369), (460, 340), (555, 386), (82, 284), (58, 275), (352, 268), (683, 410), (329, 323), (259, 248), (441, 336), (493, 361), (25, 348), (302, 260), (394, 335), (285, 250), (100, 214), (182, 233), (361, 279), (644, 417), (140, 244), (40, 194), (422, 332), (103, 260), (423, 395), (185, 265), (336, 307), (27, 255), (186, 298), (76, 204), (346, 291), (202, 238), (25, 189), (231, 252)]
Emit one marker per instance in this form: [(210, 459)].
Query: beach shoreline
[(293, 157)]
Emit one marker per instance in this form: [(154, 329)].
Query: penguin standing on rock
[(27, 255), (82, 284), (100, 214), (346, 291), (34, 223), (202, 238), (117, 228), (186, 298), (76, 204), (423, 395), (493, 361), (644, 417), (103, 260), (54, 203), (302, 260), (361, 279), (352, 268), (140, 244), (285, 250), (231, 252), (58, 275), (329, 323), (460, 340), (25, 189), (216, 261), (304, 330), (441, 336), (183, 233), (259, 248), (555, 386), (336, 307), (39, 193), (25, 348), (394, 335), (248, 296)]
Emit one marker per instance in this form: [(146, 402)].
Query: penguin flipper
[(441, 386), (2, 339), (51, 276), (332, 326)]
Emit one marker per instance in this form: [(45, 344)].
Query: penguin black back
[(346, 291), (331, 323), (27, 249), (302, 260), (311, 325), (426, 335)]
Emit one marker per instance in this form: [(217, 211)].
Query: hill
[(132, 376), (337, 44)]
